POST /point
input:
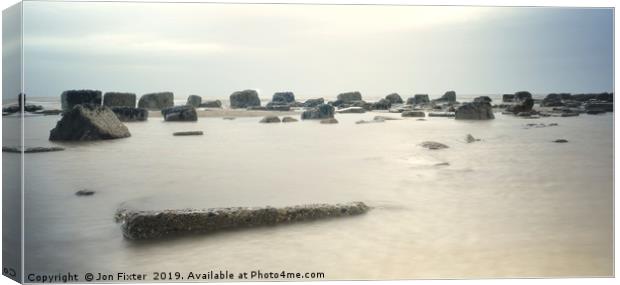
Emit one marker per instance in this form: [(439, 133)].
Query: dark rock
[(156, 101), (70, 98), (283, 97), (555, 99), (311, 103), (595, 112), (352, 110), (382, 104), (130, 114), (31, 149), (418, 99), (475, 111), (289, 120), (188, 133), (348, 97), (15, 108), (413, 114), (569, 114), (85, 123), (433, 145), (11, 109), (85, 192), (329, 121), (194, 101), (449, 96), (600, 106), (522, 106), (119, 99), (560, 141), (394, 98), (49, 112), (180, 114), (323, 111), (244, 99), (508, 98), (211, 104), (270, 119), (483, 99), (139, 225), (605, 97), (32, 108), (522, 95)]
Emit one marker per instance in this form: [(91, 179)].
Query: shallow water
[(512, 205)]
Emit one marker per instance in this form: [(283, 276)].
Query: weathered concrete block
[(138, 225)]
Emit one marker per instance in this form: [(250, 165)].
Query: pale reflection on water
[(513, 205)]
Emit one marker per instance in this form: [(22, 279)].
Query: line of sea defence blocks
[(130, 114), (156, 101), (139, 225), (119, 99), (70, 98)]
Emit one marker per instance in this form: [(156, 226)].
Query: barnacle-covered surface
[(154, 224)]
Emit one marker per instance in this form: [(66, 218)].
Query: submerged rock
[(560, 141), (194, 101), (270, 119), (71, 98), (413, 114), (278, 106), (289, 120), (119, 99), (85, 192), (385, 118), (156, 101), (323, 111), (137, 225), (470, 139), (49, 112), (433, 145), (130, 114), (188, 133), (244, 99), (180, 114), (31, 149), (85, 123), (211, 104), (329, 121)]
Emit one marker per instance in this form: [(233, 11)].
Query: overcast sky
[(314, 50)]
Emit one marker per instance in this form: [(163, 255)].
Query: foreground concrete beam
[(154, 224)]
